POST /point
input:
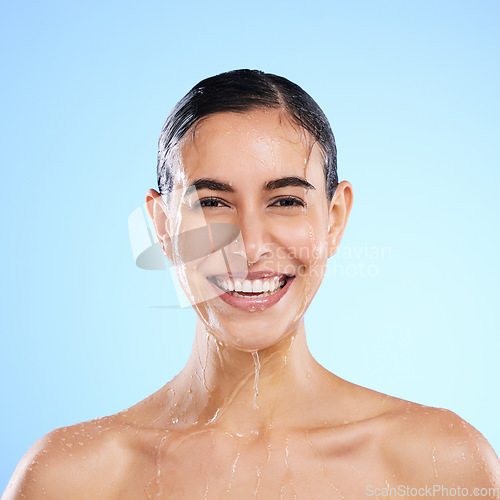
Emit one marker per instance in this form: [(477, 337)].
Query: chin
[(270, 321), (252, 334)]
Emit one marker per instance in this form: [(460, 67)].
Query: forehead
[(262, 141)]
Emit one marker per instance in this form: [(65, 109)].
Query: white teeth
[(247, 286), (263, 287), (257, 286)]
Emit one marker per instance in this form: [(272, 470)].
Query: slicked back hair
[(239, 91)]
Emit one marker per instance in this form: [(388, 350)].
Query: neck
[(247, 392)]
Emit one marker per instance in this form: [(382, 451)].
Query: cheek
[(305, 243), (194, 283)]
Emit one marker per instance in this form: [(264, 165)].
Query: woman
[(249, 209)]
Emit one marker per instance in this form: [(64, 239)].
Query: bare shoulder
[(434, 445), (85, 460)]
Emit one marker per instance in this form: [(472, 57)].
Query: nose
[(255, 241)]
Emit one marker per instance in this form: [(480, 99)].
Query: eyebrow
[(288, 181), (211, 184), (214, 185)]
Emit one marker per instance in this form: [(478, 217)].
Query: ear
[(339, 210), (157, 212)]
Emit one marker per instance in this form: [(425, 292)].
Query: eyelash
[(201, 202), (296, 202)]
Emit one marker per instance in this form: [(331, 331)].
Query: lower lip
[(257, 304)]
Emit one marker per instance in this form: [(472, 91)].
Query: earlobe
[(156, 210), (339, 210)]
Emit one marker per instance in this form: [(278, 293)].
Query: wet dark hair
[(239, 91)]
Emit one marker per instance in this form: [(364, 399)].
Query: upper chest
[(212, 465)]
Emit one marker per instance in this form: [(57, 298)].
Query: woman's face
[(255, 176)]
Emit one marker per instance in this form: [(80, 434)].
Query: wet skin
[(206, 433)]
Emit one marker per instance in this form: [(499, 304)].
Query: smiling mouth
[(251, 288)]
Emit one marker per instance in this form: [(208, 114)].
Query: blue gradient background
[(411, 90)]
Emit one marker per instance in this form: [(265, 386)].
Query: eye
[(210, 202), (288, 201)]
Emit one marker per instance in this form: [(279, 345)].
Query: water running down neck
[(255, 356)]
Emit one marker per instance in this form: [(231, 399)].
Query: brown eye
[(289, 201), (211, 203)]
